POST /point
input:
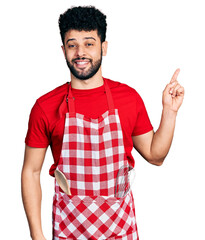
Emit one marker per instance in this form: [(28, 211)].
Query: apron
[(91, 156)]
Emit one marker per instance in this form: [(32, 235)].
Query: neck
[(94, 82)]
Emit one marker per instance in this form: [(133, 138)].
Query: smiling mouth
[(81, 63)]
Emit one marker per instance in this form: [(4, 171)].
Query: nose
[(80, 52)]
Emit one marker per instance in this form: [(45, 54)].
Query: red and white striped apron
[(91, 156)]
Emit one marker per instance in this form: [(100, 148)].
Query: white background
[(148, 40)]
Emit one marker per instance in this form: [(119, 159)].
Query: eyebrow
[(74, 39), (90, 38)]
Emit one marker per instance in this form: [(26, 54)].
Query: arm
[(31, 189), (154, 147)]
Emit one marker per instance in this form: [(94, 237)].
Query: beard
[(84, 75)]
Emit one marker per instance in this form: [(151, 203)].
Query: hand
[(173, 94), (39, 238)]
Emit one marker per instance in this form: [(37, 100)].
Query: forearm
[(31, 194), (154, 147), (162, 139)]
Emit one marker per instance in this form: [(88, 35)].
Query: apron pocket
[(94, 217)]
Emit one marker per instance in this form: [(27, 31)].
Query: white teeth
[(81, 63)]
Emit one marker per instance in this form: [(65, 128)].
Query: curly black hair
[(85, 18)]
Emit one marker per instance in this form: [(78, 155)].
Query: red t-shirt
[(47, 118)]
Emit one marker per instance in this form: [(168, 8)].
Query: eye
[(71, 46), (89, 44)]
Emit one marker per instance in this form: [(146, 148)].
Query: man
[(91, 124)]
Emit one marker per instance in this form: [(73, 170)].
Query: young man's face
[(83, 51)]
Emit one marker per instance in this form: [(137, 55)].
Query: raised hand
[(173, 94)]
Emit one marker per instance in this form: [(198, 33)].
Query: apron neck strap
[(71, 99), (109, 96)]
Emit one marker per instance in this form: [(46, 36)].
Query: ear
[(104, 48), (63, 48)]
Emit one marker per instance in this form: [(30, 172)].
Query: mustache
[(83, 58)]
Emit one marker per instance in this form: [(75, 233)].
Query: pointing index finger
[(175, 75)]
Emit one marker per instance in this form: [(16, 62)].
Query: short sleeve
[(38, 130), (142, 124)]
